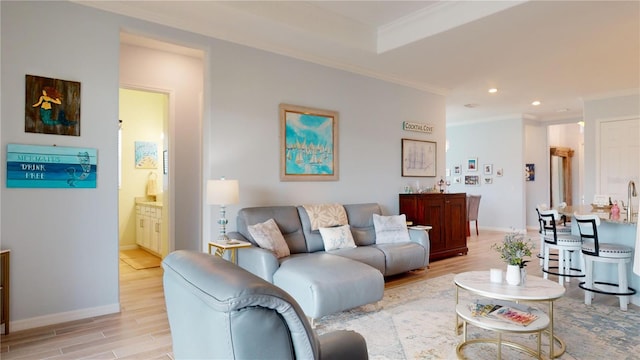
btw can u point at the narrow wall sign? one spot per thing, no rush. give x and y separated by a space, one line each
425 128
35 166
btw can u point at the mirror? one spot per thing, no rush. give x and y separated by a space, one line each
560 175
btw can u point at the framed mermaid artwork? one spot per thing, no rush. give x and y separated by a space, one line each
52 106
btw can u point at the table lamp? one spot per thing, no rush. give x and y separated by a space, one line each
222 192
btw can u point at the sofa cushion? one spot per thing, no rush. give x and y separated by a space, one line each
390 229
361 222
268 236
338 237
285 216
324 283
369 255
312 237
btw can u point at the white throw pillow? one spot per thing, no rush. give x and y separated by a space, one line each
338 237
390 229
269 237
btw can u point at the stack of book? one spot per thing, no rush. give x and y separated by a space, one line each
504 311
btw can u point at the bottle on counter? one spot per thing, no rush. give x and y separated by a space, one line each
615 210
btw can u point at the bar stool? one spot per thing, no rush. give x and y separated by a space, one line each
561 229
566 244
595 251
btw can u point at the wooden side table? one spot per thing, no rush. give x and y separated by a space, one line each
231 245
4 289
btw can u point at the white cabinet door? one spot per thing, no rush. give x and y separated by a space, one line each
619 157
155 237
149 227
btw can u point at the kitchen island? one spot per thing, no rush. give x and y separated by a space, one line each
613 229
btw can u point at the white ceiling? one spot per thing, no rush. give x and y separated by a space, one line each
557 52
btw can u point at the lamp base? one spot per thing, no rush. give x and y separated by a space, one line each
223 239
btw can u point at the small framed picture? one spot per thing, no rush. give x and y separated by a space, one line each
488 180
419 158
488 169
472 164
457 169
472 180
530 172
499 172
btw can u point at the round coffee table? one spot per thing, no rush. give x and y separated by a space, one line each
536 289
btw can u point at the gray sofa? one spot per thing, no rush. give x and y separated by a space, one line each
326 282
217 310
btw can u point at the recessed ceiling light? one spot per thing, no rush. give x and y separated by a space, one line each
493 91
536 103
472 105
562 110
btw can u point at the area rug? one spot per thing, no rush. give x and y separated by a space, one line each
139 259
417 321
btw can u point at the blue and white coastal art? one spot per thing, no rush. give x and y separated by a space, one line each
310 139
37 166
146 155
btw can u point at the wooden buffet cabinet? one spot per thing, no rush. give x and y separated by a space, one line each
446 214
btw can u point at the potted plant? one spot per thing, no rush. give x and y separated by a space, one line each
512 250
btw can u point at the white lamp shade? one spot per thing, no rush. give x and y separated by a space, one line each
222 192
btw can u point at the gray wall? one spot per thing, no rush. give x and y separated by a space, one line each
500 143
247 88
536 152
65 242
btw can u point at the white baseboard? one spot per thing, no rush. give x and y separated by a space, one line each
58 318
500 229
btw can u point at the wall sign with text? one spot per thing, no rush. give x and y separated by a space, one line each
424 128
37 166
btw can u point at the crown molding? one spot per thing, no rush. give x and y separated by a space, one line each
612 94
432 20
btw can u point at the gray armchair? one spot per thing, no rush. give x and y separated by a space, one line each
218 310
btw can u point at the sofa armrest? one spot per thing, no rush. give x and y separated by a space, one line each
343 344
421 236
258 261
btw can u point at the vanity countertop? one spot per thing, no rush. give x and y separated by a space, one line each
149 203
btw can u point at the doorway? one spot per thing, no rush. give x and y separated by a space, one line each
154 66
143 220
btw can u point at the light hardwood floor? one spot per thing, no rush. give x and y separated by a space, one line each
141 330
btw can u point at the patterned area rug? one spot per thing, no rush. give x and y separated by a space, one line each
139 259
417 321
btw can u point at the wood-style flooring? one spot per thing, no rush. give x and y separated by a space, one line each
141 330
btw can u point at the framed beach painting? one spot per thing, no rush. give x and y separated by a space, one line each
308 144
418 158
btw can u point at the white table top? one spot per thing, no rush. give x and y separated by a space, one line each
535 288
230 244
